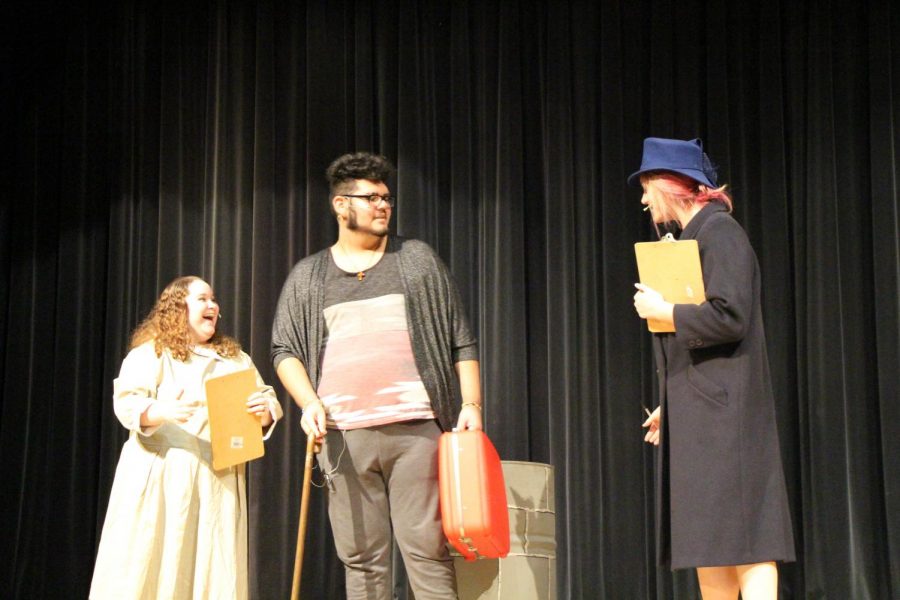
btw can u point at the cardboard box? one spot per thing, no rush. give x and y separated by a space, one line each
529 571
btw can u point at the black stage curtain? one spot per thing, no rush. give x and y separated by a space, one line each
142 141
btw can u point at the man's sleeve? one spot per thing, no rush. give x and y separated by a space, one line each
289 323
464 343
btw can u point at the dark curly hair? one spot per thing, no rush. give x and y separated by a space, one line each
167 325
359 165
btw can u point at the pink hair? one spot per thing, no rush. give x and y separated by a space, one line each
685 190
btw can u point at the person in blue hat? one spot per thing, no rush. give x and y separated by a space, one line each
722 504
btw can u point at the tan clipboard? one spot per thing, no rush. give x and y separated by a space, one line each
672 268
234 434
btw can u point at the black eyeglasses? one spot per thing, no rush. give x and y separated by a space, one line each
374 198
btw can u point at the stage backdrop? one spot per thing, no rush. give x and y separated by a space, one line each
142 141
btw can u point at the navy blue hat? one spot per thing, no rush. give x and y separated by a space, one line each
678 156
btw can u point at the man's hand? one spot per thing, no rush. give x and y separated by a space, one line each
296 381
469 418
470 388
314 419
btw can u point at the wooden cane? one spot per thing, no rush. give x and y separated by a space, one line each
304 508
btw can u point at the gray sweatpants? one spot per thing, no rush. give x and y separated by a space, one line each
384 482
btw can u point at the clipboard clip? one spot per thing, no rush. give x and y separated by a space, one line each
668 238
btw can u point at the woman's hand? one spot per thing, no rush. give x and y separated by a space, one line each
650 304
258 406
469 418
652 425
169 410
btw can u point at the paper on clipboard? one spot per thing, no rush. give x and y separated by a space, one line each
234 434
672 268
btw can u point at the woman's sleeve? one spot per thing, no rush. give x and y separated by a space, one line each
135 387
729 267
265 390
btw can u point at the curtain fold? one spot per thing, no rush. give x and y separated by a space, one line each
143 141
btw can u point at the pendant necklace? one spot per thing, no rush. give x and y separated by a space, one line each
360 273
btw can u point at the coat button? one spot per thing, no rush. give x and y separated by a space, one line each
698 342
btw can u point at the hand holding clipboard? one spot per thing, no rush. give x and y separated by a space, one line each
235 435
672 270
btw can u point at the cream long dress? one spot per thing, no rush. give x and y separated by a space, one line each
175 528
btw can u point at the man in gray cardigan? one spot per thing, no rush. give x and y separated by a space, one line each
367 336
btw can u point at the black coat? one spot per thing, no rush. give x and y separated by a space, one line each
720 489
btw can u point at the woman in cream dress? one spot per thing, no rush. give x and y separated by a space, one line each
175 528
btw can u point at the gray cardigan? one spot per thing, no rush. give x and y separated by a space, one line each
438 329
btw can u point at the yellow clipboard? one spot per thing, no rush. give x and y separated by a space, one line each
234 434
672 268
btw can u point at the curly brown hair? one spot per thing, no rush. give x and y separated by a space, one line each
167 325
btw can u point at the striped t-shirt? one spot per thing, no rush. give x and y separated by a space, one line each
369 375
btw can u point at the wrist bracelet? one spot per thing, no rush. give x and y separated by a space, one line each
475 404
316 401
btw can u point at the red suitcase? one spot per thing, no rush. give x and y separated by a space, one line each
473 495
